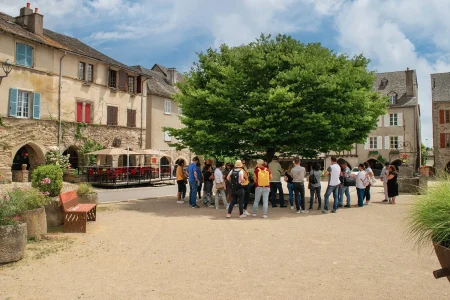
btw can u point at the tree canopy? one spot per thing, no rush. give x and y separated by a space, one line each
276 95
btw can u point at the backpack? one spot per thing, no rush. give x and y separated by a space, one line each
234 180
263 177
312 179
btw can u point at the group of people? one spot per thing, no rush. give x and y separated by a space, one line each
232 185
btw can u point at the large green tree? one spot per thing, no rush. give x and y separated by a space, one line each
276 95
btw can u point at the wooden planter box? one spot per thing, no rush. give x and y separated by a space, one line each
13 240
443 255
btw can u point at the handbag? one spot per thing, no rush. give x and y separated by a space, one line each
349 181
220 185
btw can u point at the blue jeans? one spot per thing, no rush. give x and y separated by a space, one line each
360 193
274 186
319 197
193 193
264 192
291 193
344 190
334 190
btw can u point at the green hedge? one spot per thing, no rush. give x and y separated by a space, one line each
52 172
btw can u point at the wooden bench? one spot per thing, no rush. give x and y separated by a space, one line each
76 215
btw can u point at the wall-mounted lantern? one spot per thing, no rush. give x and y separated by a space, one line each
7 68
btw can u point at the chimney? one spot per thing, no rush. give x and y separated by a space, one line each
172 75
33 22
409 83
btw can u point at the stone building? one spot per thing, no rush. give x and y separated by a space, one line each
61 92
440 95
397 136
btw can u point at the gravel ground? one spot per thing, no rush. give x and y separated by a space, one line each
157 249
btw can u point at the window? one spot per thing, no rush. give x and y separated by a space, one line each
445 140
393 100
23 104
167 137
90 73
82 71
130 84
131 117
24 55
84 112
373 142
112 115
167 107
393 119
393 142
112 79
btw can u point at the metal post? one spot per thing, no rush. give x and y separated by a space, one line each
59 98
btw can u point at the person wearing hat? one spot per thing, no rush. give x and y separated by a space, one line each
237 193
384 178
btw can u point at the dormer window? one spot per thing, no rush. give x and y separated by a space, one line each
393 100
384 82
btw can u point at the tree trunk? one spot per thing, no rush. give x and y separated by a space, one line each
270 153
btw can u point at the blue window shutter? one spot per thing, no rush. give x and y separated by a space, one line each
36 106
13 93
29 56
21 54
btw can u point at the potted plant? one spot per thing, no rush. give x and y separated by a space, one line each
429 221
24 167
404 157
86 194
13 232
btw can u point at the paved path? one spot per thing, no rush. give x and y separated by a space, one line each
117 195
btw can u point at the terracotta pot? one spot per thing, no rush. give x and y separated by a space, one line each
425 172
36 222
13 240
443 255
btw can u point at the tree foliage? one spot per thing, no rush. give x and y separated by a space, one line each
276 95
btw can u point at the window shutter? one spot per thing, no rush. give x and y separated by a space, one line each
87 113
441 116
139 84
400 119
387 120
400 142
442 140
380 122
79 112
366 145
29 56
108 115
21 55
167 137
123 80
133 113
13 94
387 143
116 115
36 106
379 142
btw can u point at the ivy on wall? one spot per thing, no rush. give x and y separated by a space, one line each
89 145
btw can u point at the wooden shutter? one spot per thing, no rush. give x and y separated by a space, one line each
21 55
13 94
442 140
387 120
29 56
379 142
123 78
112 113
79 112
133 118
87 113
115 113
367 144
139 84
441 116
36 106
387 142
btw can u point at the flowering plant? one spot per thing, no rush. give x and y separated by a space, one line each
404 155
53 157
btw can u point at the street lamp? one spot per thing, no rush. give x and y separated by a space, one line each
7 68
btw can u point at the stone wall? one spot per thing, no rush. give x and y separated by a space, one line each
40 135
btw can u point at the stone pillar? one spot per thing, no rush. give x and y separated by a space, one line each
25 176
6 174
115 161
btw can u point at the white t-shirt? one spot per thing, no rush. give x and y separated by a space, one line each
218 176
360 179
334 171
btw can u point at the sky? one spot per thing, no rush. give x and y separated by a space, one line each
394 34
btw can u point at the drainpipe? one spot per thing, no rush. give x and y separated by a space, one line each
142 111
59 98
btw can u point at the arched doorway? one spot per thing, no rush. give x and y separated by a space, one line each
341 161
165 166
30 155
376 166
73 158
397 163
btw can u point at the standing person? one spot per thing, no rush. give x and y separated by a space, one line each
236 177
346 173
392 184
290 184
298 179
227 183
181 181
361 180
275 183
333 172
200 180
208 178
384 178
315 187
220 185
193 182
246 185
369 173
262 181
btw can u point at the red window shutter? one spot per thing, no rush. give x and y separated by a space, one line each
87 113
442 140
441 116
79 112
